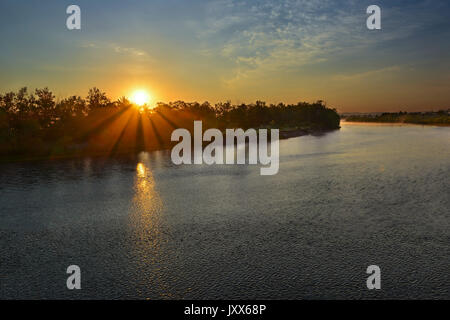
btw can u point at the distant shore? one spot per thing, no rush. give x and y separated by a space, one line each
346 122
439 118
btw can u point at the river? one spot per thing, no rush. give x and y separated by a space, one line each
141 227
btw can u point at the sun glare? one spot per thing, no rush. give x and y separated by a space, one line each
140 97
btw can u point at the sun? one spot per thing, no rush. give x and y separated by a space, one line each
140 97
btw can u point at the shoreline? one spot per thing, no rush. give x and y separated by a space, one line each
284 135
395 123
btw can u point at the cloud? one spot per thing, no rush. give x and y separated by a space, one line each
129 51
367 74
89 45
263 36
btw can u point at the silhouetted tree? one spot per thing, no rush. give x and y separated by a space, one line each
37 125
97 99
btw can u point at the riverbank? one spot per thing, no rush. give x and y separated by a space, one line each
440 118
74 151
286 134
346 122
74 127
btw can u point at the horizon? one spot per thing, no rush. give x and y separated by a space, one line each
238 51
154 103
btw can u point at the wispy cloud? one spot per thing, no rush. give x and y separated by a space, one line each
367 74
128 51
258 37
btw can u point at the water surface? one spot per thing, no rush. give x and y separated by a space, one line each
140 227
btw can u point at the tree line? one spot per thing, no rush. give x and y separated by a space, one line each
441 117
36 124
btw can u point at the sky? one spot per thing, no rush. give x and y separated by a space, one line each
243 51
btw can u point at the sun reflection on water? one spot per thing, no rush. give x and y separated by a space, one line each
140 170
146 205
145 219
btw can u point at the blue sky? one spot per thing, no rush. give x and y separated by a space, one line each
240 50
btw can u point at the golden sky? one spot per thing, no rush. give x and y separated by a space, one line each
241 51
